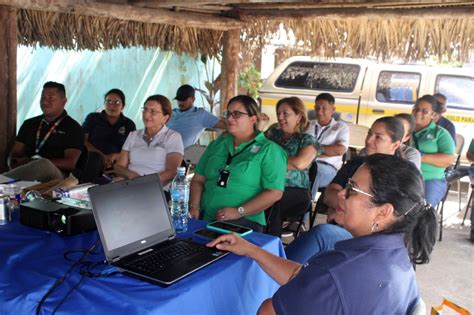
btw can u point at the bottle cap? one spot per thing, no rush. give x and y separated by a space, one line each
181 170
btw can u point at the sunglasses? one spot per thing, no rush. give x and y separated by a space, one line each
352 190
236 114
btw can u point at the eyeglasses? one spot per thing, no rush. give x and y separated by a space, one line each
351 190
422 111
236 114
112 102
153 112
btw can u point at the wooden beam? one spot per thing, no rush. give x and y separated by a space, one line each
8 45
426 13
230 66
127 12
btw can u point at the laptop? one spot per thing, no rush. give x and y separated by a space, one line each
137 233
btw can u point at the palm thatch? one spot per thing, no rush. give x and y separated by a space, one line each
76 32
358 37
386 39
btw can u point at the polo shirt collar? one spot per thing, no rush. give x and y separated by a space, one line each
379 240
104 116
162 131
64 113
432 126
331 122
190 109
230 141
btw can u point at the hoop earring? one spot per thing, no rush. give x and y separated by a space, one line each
375 227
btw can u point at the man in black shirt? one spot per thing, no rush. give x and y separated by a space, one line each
47 146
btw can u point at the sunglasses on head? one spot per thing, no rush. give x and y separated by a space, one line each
351 190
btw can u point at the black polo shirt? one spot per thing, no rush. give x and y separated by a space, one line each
348 170
104 136
67 135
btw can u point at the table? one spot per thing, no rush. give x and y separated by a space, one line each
31 260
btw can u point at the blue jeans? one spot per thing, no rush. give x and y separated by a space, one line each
435 190
324 176
318 240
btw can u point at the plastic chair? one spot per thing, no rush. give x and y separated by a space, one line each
357 135
192 155
440 207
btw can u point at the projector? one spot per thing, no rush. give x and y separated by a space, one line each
55 217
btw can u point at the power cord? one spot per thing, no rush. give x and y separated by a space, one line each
60 280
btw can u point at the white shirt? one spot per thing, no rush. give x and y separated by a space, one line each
336 132
151 158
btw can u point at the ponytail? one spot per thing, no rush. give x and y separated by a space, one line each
421 240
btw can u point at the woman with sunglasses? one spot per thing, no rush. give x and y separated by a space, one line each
105 132
154 149
435 145
383 208
241 173
384 136
302 149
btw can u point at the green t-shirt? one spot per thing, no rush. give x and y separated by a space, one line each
430 140
471 146
260 166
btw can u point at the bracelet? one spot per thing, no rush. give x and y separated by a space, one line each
193 205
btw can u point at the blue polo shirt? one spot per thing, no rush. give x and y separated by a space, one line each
104 136
191 123
363 275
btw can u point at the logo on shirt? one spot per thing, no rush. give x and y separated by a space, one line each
255 149
121 130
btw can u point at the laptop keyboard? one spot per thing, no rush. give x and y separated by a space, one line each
161 258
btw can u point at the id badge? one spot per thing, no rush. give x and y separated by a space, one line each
223 178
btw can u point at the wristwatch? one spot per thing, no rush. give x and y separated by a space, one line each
241 210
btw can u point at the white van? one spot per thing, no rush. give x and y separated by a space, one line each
365 91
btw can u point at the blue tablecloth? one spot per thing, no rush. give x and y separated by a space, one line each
31 260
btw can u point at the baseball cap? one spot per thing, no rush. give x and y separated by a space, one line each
184 92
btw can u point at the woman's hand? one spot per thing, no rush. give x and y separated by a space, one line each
194 212
234 244
227 213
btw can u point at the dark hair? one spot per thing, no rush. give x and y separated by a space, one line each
394 127
165 103
116 92
408 118
327 97
55 85
435 106
250 105
296 105
398 182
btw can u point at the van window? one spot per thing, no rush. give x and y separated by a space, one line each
398 87
457 89
319 76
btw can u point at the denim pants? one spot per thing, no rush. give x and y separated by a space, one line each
316 241
435 190
324 176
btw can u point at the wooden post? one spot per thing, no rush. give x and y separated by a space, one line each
230 67
8 46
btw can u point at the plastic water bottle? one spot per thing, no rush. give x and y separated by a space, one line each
179 200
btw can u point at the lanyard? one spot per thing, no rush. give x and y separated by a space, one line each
231 157
39 144
322 131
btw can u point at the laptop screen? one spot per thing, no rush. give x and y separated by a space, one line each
130 212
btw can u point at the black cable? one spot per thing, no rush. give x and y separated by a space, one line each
68 293
60 280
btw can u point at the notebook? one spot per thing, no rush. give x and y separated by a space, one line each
137 233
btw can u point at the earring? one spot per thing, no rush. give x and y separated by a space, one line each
375 227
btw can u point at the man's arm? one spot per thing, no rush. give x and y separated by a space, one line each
17 156
333 150
220 124
68 162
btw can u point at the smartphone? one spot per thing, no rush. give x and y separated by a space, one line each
224 227
207 234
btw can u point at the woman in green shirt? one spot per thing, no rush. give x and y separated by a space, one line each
436 147
241 173
302 148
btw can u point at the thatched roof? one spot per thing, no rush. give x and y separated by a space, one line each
411 30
